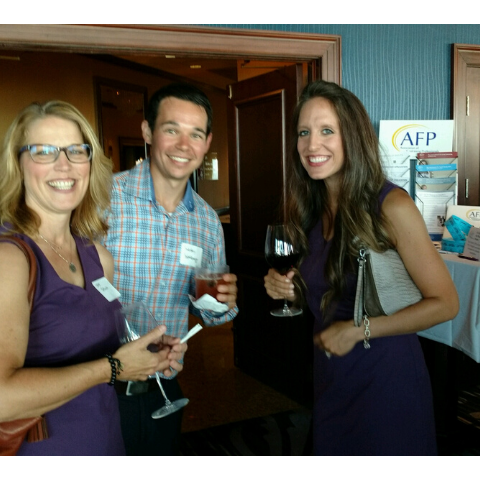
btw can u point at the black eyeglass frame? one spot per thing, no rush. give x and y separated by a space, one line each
58 150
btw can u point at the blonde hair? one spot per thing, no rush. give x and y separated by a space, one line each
88 218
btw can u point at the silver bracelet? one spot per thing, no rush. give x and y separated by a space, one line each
366 340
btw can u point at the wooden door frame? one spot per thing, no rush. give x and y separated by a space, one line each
323 51
463 57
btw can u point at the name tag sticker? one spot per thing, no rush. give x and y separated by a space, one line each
190 255
106 289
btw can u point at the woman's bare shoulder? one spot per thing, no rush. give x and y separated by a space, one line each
11 255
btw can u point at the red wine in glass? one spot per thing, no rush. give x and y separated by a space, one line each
283 263
282 255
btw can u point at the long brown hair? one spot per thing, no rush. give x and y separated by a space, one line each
362 179
88 218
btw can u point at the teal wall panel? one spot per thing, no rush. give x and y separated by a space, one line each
400 72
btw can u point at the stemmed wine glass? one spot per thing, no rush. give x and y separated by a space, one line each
134 321
282 255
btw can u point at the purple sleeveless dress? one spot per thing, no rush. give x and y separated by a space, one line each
70 325
368 402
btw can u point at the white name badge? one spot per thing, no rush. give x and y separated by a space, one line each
106 289
190 255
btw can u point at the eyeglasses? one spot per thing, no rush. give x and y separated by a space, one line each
81 153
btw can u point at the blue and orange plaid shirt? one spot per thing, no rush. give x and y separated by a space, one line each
146 242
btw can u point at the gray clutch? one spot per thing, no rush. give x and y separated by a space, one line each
384 286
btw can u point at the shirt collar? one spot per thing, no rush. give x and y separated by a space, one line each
188 198
138 181
140 184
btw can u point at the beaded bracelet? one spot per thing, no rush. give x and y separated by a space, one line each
366 340
117 367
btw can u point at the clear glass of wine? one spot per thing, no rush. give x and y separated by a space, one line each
134 321
282 255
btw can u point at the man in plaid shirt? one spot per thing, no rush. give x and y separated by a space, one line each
160 230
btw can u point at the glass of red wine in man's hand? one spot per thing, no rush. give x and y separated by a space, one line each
282 255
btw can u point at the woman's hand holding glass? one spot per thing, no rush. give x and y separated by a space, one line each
175 354
280 286
140 360
282 253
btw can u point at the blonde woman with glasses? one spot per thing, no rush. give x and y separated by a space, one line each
62 359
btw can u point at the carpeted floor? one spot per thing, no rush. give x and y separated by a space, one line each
469 407
280 434
219 392
288 434
466 438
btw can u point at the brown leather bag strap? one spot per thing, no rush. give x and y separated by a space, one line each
13 433
32 262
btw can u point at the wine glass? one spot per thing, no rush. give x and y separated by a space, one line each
136 320
282 255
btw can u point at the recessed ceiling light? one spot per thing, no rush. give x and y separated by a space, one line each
195 66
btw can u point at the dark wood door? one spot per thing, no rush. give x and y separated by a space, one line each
472 137
275 351
466 114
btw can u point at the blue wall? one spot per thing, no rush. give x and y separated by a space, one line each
399 72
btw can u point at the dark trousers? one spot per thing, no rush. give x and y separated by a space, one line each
141 433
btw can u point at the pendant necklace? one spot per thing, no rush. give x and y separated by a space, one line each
70 264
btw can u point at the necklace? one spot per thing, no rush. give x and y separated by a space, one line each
70 264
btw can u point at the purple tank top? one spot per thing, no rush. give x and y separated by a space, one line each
70 325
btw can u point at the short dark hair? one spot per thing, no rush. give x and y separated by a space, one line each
182 91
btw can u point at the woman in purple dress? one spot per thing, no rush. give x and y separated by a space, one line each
55 184
367 401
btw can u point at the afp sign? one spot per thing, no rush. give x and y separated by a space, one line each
473 215
413 137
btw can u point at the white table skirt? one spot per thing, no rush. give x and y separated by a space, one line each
463 332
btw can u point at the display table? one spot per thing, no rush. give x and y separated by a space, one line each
463 332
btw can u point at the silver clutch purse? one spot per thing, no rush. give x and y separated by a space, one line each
384 286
